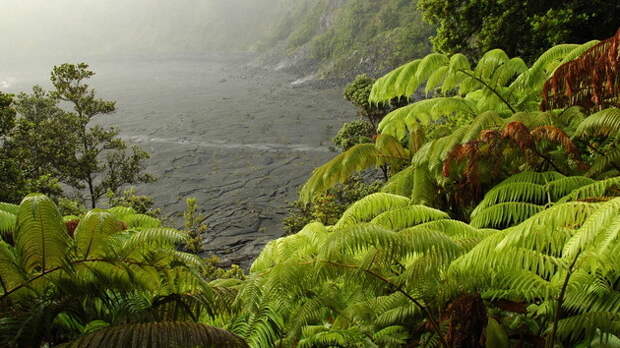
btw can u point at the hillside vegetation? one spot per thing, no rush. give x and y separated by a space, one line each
338 39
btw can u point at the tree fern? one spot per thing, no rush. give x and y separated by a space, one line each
103 271
7 224
595 190
161 334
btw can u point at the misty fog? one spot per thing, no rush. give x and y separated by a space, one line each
71 29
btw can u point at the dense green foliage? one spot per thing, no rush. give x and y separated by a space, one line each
354 133
501 231
521 28
92 275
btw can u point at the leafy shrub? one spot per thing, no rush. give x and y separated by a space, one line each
353 133
327 208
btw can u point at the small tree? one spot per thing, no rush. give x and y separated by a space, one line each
142 204
18 174
358 92
101 161
194 226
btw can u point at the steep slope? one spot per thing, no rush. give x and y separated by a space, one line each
337 39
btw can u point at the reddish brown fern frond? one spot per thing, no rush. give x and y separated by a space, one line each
462 152
519 133
503 151
71 225
555 135
591 81
489 135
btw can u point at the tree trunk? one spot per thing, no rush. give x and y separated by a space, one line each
91 189
467 319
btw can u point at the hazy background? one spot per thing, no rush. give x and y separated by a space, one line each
67 29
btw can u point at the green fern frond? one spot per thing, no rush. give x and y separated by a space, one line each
455 229
486 120
532 119
92 231
120 212
561 187
490 62
40 235
160 334
603 220
391 336
596 190
9 208
429 65
587 325
401 121
513 192
505 214
529 285
424 190
361 237
340 168
140 221
540 178
8 222
398 219
400 183
390 148
557 218
160 237
603 123
436 79
11 274
369 207
396 83
544 66
604 162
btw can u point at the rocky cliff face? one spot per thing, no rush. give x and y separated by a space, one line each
334 40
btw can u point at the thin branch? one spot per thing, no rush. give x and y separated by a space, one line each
560 302
490 88
541 155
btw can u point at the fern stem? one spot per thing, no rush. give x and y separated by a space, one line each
55 269
560 302
541 155
490 88
595 149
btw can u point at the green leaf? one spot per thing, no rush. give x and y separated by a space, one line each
40 238
92 232
496 335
